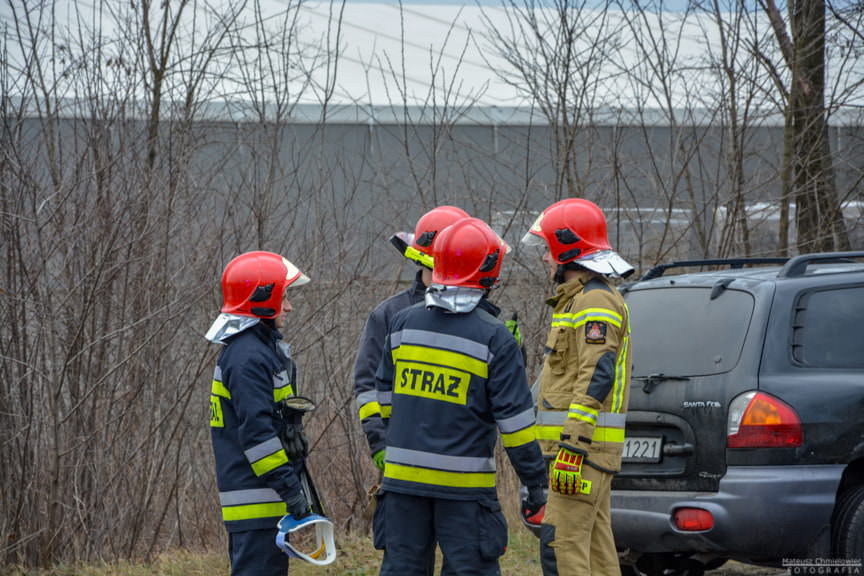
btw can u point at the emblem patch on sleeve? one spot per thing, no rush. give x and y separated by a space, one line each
595 332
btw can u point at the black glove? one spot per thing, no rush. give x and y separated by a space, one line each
290 422
297 505
294 441
534 506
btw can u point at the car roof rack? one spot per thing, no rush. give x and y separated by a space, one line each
797 266
660 269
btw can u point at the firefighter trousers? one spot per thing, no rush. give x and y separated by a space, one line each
254 553
472 535
576 534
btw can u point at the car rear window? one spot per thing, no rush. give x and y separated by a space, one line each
682 332
827 328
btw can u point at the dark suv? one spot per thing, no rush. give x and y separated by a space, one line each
745 431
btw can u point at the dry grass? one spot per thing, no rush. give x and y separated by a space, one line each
356 558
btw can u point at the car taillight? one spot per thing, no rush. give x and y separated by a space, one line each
759 420
692 519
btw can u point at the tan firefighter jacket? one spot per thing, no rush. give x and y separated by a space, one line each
585 383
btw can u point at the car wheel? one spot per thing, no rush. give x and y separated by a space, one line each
847 530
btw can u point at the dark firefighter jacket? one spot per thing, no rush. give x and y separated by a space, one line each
369 355
253 473
447 384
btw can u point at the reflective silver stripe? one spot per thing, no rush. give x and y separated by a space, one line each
440 461
442 341
280 380
366 397
604 419
251 496
611 420
217 373
384 398
395 339
584 415
517 422
264 449
551 418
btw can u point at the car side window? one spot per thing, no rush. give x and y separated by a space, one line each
826 332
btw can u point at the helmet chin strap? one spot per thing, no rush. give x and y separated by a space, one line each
562 268
559 274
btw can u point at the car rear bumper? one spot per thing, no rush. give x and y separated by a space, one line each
759 513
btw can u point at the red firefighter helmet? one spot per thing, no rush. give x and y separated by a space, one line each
417 247
574 229
469 254
253 284
431 223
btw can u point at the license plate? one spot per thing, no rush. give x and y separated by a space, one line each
642 449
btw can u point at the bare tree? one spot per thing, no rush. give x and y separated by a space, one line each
560 58
107 259
143 145
810 180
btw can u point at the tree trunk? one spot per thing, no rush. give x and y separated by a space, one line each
817 209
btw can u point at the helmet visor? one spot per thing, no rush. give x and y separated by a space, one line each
534 236
294 277
311 539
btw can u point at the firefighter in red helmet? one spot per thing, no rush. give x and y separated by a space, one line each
416 247
451 379
256 471
584 388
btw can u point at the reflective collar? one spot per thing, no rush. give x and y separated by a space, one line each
227 325
456 299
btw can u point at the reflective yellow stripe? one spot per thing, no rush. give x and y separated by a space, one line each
586 409
270 462
582 417
385 411
252 511
577 319
370 409
621 375
602 434
519 437
219 389
439 477
442 358
280 394
583 413
549 433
